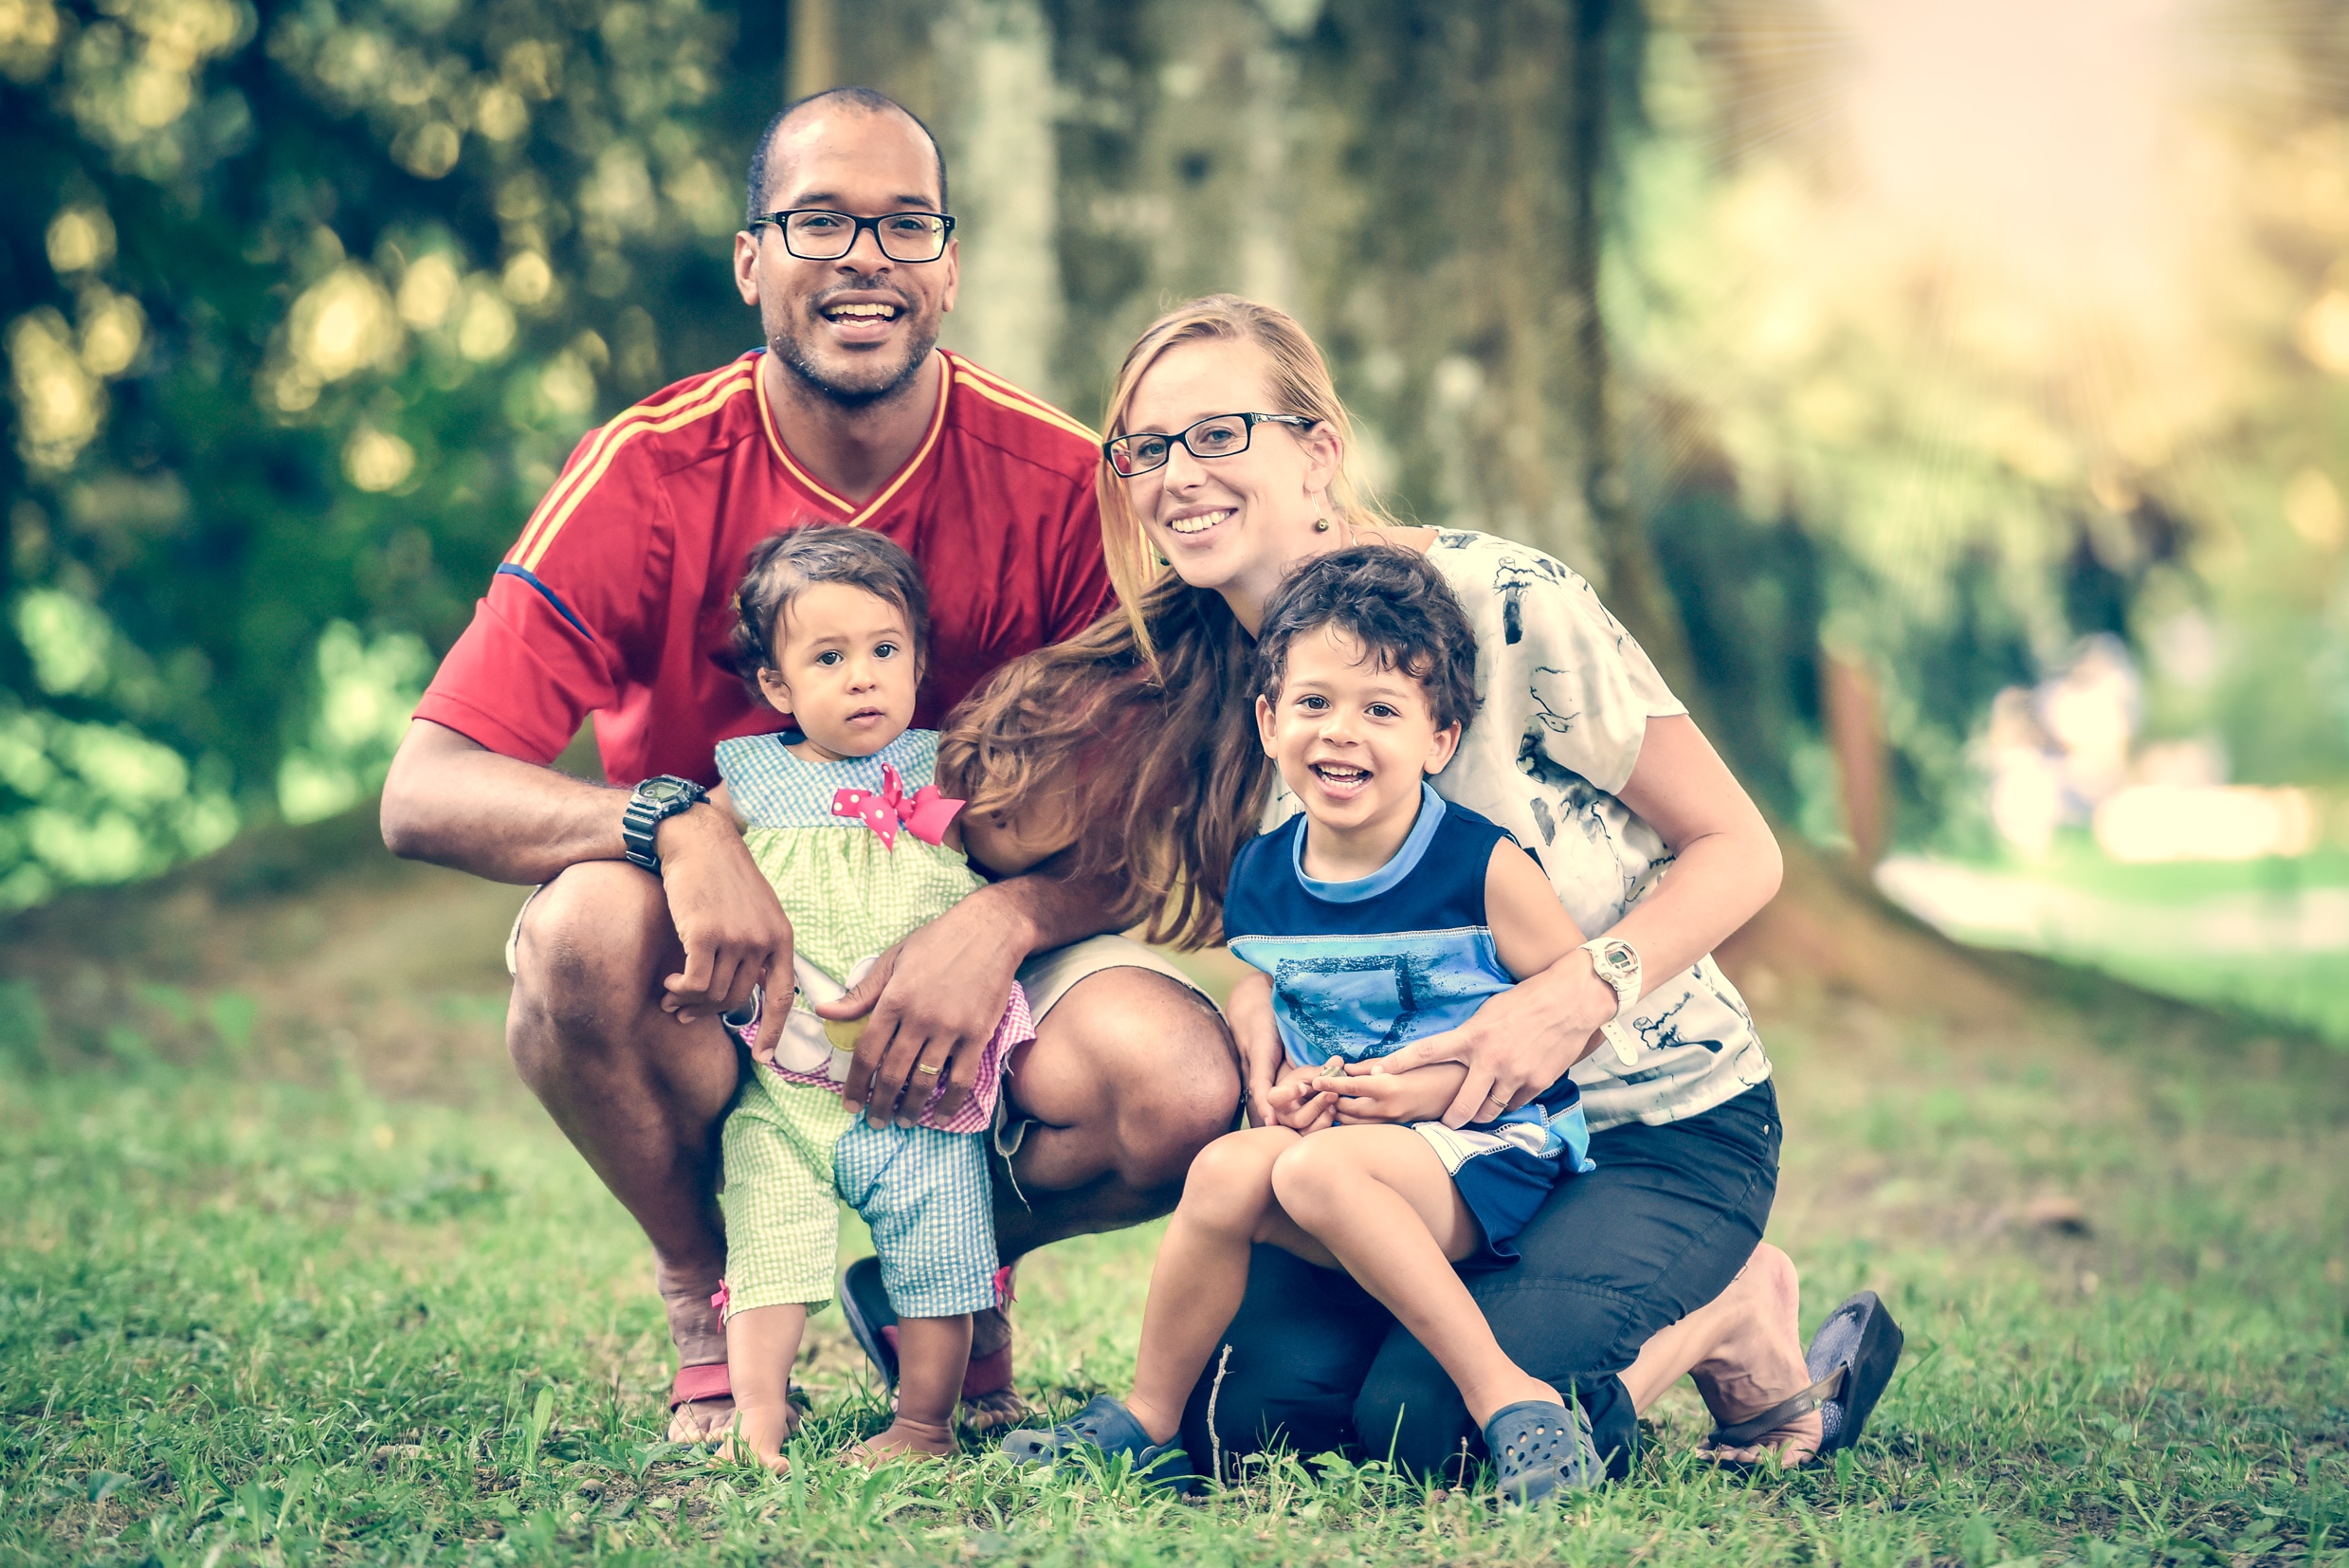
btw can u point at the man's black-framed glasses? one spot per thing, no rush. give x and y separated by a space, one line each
1217 435
817 234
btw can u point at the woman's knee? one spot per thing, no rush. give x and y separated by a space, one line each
1409 1411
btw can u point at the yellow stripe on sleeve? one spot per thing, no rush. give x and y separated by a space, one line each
651 420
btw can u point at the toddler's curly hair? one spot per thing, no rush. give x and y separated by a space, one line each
783 566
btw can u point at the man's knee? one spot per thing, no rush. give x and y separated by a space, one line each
587 958
1163 1067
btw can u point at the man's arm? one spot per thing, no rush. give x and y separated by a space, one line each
453 802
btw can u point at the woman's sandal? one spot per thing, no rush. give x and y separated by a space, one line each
1852 1359
1107 1426
1540 1448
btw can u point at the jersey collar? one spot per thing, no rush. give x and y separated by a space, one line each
854 514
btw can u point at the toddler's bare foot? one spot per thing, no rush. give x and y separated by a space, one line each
1760 1361
758 1432
905 1439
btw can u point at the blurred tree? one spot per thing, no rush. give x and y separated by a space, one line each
304 307
2025 336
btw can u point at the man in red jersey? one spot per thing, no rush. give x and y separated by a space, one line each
649 918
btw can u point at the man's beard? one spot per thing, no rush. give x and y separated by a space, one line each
845 395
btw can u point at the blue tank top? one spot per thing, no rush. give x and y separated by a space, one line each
1361 968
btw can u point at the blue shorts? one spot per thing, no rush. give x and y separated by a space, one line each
1502 1178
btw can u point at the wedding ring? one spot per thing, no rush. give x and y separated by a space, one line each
926 1068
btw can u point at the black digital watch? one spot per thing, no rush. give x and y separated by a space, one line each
650 804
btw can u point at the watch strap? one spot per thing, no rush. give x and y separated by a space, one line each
641 822
1626 996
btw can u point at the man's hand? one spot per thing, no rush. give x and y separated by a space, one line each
735 934
1248 1012
931 1003
1520 1042
1373 1094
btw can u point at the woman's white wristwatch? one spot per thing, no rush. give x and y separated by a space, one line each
1616 961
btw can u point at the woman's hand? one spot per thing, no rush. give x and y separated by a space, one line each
1248 1012
1373 1094
1520 1042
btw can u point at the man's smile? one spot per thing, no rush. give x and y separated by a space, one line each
862 317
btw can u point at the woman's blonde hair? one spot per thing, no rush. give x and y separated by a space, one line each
1300 385
1142 728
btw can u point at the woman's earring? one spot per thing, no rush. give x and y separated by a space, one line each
1320 525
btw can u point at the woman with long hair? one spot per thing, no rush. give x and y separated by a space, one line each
1134 750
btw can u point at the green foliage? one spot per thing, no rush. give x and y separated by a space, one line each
308 303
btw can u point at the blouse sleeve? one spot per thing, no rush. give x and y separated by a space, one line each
1564 673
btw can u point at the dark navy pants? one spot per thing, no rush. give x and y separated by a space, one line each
1658 1230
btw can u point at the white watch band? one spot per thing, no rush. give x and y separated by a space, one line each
1609 956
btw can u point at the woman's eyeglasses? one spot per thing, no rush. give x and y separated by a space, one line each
1219 435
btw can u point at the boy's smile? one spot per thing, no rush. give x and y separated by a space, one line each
1353 740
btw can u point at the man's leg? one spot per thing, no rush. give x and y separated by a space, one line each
1131 1074
639 1095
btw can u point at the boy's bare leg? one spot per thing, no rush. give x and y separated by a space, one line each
1202 1269
1381 1201
762 1344
932 1356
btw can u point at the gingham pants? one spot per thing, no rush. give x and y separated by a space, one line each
794 1151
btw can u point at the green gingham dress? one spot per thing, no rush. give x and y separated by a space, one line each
792 1151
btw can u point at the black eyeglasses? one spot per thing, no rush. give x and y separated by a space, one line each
814 234
1219 435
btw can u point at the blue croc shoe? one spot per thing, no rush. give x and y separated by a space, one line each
1541 1447
1107 1426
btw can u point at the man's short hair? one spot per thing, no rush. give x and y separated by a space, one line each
1396 604
867 99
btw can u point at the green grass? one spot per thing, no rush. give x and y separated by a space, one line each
275 1289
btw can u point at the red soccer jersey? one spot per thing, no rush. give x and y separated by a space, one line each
618 598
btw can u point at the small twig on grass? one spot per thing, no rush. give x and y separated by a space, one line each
1214 1438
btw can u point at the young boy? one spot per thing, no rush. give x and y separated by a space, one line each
1380 915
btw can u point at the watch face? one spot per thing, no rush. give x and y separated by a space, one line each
659 791
1621 958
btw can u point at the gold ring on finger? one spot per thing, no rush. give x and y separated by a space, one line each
926 1070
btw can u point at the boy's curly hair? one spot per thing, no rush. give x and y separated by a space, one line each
1397 604
783 566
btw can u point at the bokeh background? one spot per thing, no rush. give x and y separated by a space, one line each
1949 396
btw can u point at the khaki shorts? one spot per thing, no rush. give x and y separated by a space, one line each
1046 978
